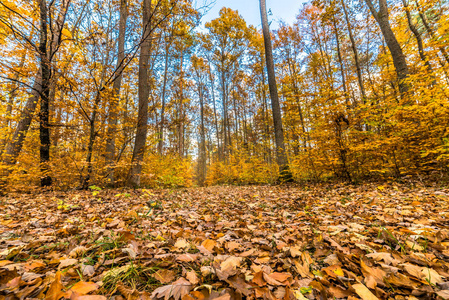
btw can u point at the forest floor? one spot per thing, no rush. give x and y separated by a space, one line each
338 241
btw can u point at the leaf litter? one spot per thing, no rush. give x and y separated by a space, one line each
271 242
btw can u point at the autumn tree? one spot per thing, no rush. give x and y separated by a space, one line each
275 106
381 15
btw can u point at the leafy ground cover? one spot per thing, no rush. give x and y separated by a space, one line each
271 242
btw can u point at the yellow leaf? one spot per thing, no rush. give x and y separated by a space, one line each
364 292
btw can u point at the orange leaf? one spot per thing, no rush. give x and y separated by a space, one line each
55 291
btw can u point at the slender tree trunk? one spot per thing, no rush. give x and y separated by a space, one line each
15 145
212 83
225 109
143 94
293 75
13 93
90 146
355 53
419 41
44 130
202 150
276 108
400 64
181 110
340 62
164 85
115 97
431 32
266 125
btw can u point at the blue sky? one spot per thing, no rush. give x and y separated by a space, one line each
249 9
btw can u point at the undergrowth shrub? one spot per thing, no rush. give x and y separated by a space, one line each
167 171
242 169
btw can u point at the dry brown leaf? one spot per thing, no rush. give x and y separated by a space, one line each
231 246
258 279
376 273
192 277
302 269
164 276
282 277
224 297
334 271
182 244
364 292
55 291
443 294
271 281
295 251
77 251
338 292
432 276
385 256
67 263
89 297
209 245
84 288
33 265
177 290
239 283
187 257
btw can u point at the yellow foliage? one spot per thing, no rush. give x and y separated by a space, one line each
167 171
242 169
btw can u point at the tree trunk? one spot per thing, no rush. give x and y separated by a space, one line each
143 94
225 109
340 62
431 32
275 106
419 41
44 130
164 85
212 83
114 106
202 150
399 61
15 145
13 94
355 52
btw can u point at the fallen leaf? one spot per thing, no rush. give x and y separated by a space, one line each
83 288
67 263
192 277
164 276
55 291
364 292
209 244
177 290
182 244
